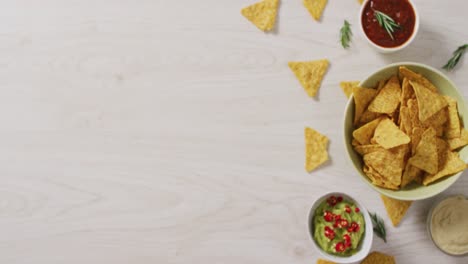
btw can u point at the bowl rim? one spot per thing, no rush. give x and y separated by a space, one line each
351 101
390 49
366 243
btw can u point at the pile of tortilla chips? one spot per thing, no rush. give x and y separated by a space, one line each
407 132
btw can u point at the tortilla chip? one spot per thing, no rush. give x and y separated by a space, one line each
362 98
322 261
405 121
396 209
429 102
316 149
413 113
262 14
364 134
360 1
368 116
406 92
310 74
355 143
425 156
456 143
410 174
377 179
453 124
415 138
416 77
388 99
378 258
315 7
365 149
453 164
388 135
388 163
347 87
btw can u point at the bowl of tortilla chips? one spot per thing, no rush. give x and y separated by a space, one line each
404 131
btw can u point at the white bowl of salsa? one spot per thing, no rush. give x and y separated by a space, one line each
403 12
340 228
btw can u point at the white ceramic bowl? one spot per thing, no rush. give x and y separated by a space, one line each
393 49
366 243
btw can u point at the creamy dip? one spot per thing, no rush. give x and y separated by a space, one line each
449 225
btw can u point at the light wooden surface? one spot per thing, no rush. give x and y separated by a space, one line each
157 131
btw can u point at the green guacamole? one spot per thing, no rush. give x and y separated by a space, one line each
338 226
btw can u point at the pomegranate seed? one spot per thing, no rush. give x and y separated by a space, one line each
329 233
357 210
347 209
331 201
339 247
350 229
355 227
337 217
339 199
344 223
347 240
328 216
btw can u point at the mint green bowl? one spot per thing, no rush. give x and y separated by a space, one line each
413 191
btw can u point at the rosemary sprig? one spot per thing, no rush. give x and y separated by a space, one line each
386 22
345 34
457 54
379 226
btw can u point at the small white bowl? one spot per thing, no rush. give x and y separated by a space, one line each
366 243
392 49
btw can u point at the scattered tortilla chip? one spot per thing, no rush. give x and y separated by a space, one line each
388 99
365 149
310 74
425 156
396 209
453 164
262 14
316 149
322 261
360 1
388 162
410 174
416 77
315 7
429 102
378 258
388 135
453 125
362 98
415 138
347 87
456 143
364 134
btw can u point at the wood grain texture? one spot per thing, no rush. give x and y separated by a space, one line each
157 131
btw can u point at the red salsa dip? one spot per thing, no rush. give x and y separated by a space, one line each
400 10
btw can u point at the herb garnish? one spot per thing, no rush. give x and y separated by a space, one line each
386 22
457 54
379 226
345 34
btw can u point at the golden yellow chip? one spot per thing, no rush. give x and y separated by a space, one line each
377 179
364 134
388 135
453 164
456 143
416 77
453 125
388 99
396 209
362 98
425 156
378 258
315 7
368 116
316 149
347 87
388 163
415 138
414 113
429 102
322 261
406 92
365 149
360 1
405 121
410 174
437 120
310 74
262 14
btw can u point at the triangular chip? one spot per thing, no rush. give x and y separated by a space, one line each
368 116
413 113
459 142
453 124
388 135
429 102
405 121
315 7
410 174
378 258
316 149
377 179
437 120
425 156
442 149
365 149
364 134
362 98
453 164
262 14
416 77
388 162
347 87
415 138
322 261
388 99
310 74
396 209
360 1
406 92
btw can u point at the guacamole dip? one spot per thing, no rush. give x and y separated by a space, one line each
338 226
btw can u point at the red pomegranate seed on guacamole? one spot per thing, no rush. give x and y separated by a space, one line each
339 199
347 240
357 210
344 223
339 247
331 201
328 216
347 209
337 217
329 233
